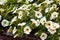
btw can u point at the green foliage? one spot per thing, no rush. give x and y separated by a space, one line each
9 15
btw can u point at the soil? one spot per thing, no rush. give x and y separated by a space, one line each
8 36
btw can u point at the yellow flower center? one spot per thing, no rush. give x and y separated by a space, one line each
27 29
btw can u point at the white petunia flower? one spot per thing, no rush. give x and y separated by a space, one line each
49 1
39 5
33 21
29 0
36 22
19 1
20 14
52 31
48 24
54 6
43 36
27 30
46 10
21 24
2 2
34 4
43 20
0 17
54 15
5 23
13 20
24 7
58 1
55 26
14 30
38 14
2 10
51 8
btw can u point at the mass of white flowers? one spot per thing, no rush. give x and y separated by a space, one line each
41 17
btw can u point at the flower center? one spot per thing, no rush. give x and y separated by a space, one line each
43 35
54 15
44 21
27 29
49 24
20 14
4 22
38 14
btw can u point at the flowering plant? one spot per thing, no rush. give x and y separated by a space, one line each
25 16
